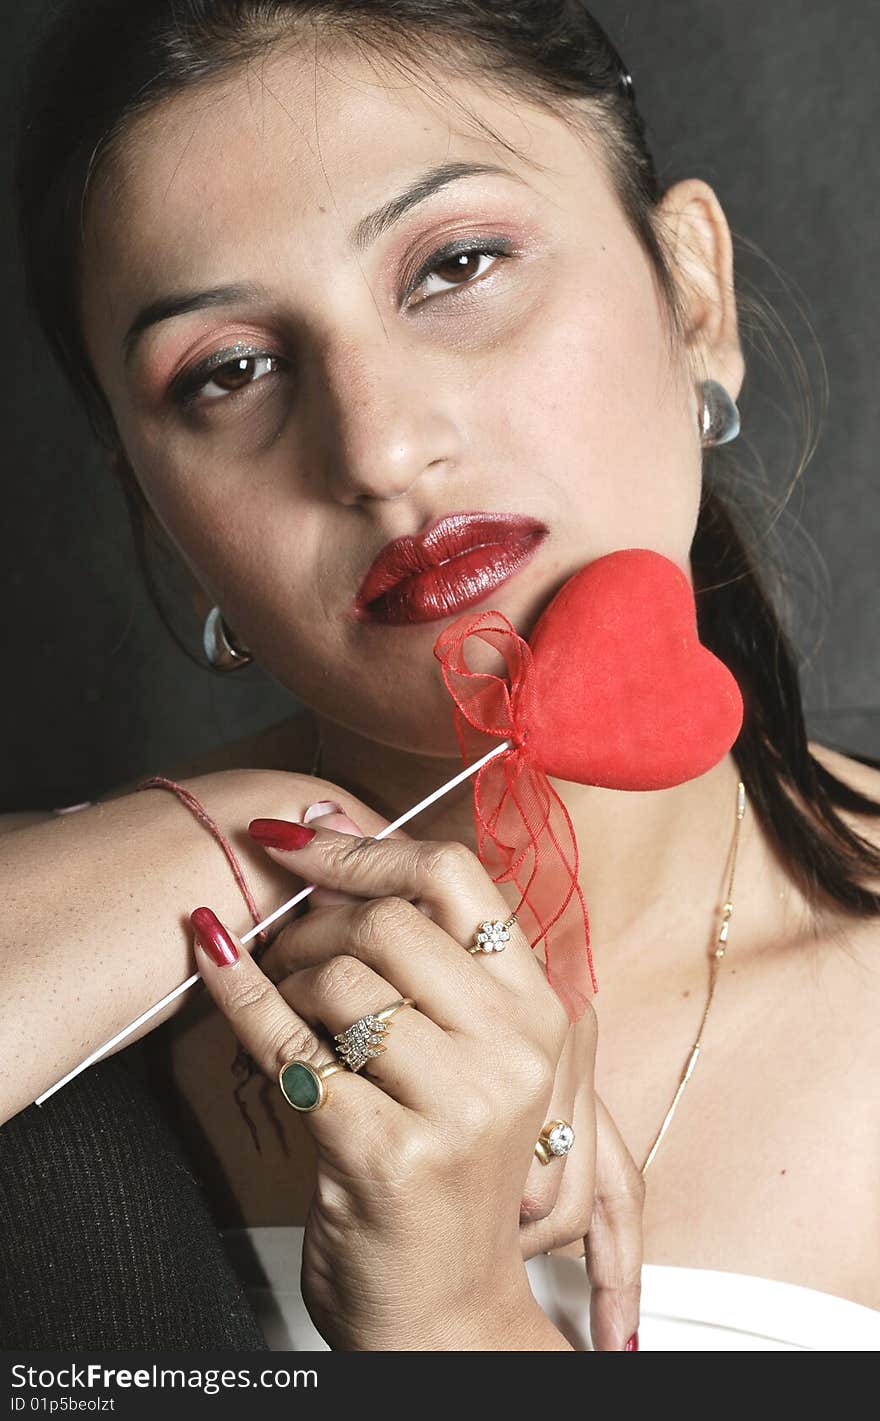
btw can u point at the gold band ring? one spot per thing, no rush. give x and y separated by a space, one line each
554 1141
365 1037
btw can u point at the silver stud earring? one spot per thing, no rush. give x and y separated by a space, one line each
719 416
219 644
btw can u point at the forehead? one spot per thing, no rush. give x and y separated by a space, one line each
296 138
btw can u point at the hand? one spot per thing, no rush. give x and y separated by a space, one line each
595 1195
412 1238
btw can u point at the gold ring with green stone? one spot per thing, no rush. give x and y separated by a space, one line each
302 1083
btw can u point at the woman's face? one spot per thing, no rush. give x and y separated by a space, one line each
371 386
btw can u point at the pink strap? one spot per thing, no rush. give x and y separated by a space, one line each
201 813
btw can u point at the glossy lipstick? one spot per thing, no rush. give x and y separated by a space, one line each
456 562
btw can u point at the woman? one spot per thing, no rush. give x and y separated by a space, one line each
326 259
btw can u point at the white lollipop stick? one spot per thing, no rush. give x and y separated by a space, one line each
285 907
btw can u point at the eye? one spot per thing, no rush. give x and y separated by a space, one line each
229 372
234 370
462 266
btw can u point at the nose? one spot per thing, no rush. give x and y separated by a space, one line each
386 419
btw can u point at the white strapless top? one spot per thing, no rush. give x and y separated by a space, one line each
682 1309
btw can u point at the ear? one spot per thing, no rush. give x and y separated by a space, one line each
702 251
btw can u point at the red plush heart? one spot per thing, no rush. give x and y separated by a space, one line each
625 695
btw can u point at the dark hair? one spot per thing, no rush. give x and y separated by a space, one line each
102 63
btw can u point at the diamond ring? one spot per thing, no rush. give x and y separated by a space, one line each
492 936
555 1140
365 1037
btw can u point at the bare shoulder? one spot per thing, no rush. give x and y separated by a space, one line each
853 942
840 1049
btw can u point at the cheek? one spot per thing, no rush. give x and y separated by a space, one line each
263 567
211 504
609 420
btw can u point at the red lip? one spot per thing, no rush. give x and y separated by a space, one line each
454 563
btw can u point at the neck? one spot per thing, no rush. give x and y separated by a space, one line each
651 863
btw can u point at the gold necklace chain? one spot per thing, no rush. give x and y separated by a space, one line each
717 958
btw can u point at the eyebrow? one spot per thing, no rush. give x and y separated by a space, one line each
375 223
363 235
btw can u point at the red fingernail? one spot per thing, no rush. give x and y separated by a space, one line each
213 937
633 1343
280 833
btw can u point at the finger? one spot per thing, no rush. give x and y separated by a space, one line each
274 1035
557 1197
359 819
414 1054
401 945
327 814
444 874
614 1243
562 1231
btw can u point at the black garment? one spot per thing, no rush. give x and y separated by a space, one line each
106 1242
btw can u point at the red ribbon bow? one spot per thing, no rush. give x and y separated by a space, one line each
524 831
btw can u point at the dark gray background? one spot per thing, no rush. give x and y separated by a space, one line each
777 107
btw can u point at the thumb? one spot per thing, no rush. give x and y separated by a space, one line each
614 1243
325 814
